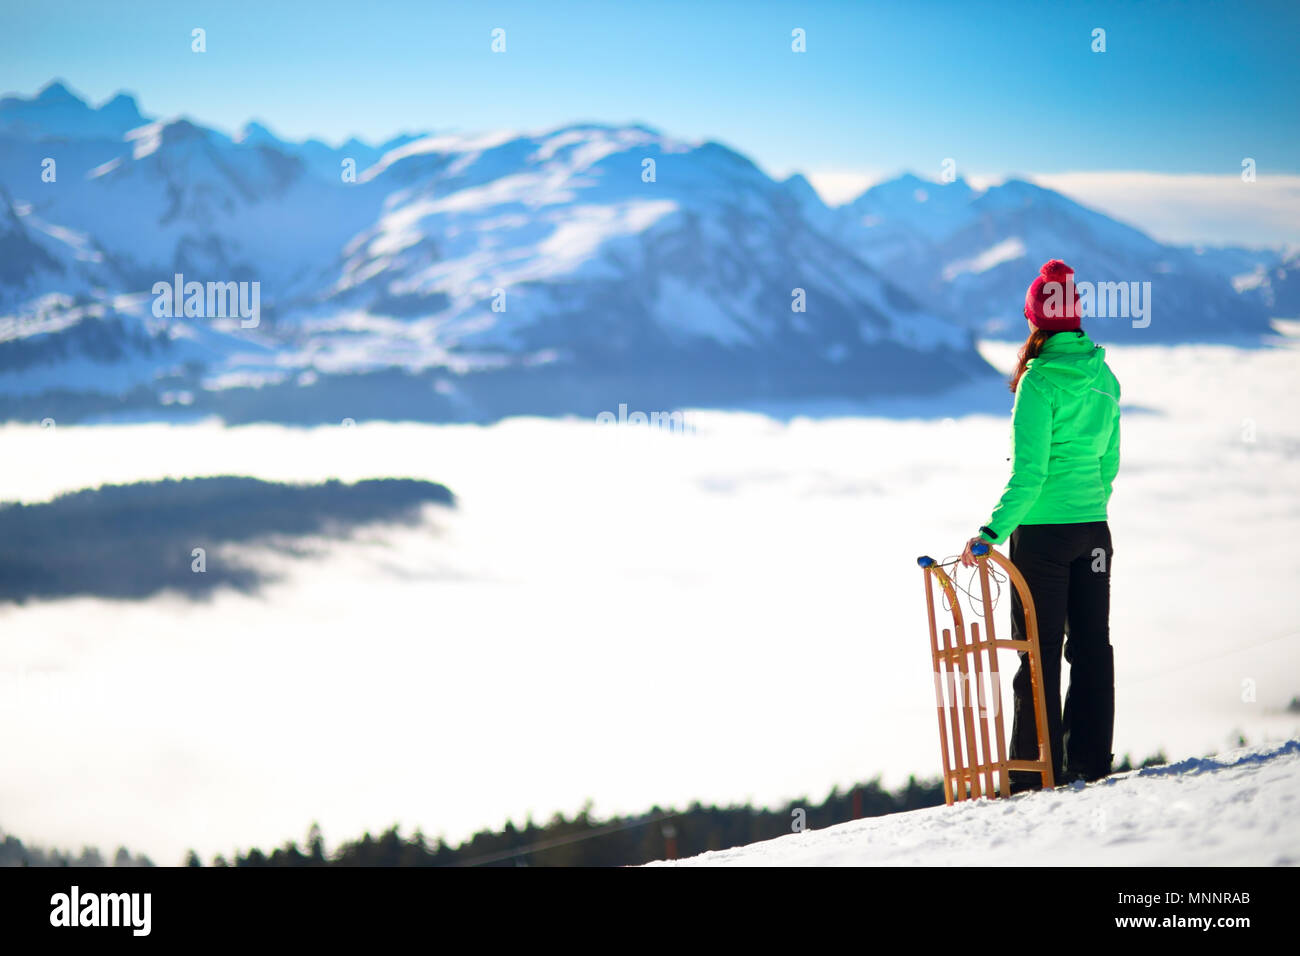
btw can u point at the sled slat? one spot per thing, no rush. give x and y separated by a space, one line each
940 669
996 690
978 701
958 765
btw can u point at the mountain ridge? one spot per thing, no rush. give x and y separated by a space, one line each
564 271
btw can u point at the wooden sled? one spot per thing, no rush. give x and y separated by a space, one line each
965 692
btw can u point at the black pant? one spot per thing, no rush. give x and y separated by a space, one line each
1067 568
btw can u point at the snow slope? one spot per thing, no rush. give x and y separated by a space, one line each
1234 809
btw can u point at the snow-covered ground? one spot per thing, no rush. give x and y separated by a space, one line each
1238 809
639 618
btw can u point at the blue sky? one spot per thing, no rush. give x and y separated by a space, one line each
1009 88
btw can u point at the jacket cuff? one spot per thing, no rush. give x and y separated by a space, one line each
988 534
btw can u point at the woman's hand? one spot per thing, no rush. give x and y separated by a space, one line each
967 556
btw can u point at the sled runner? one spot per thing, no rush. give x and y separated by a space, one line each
966 694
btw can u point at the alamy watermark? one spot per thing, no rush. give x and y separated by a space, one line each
211 300
677 422
129 910
1108 300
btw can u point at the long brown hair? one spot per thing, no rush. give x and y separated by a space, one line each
1032 348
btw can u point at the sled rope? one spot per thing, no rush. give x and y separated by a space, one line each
976 602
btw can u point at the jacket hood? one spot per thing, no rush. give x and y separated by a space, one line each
1069 361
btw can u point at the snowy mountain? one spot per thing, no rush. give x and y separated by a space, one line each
972 254
57 113
1235 809
1233 262
178 197
550 261
323 159
1276 284
25 264
469 277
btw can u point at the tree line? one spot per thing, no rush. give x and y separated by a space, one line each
583 840
579 840
137 540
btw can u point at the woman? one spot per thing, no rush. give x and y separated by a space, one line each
1065 454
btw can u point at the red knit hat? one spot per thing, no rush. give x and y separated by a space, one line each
1052 302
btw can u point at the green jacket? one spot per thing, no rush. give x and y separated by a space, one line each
1064 439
